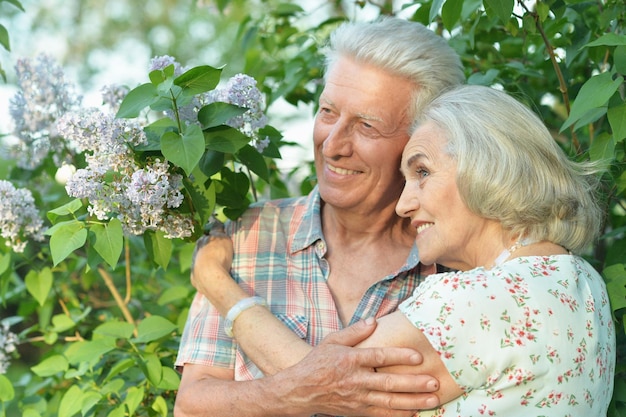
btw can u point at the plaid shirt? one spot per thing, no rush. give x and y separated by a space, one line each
279 255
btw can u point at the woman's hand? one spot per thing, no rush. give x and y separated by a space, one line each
210 269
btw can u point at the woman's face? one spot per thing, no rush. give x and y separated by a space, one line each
448 233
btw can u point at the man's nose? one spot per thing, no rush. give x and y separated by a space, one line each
339 140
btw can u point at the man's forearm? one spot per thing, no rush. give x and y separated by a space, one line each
206 396
270 344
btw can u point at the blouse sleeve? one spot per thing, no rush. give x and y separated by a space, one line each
473 320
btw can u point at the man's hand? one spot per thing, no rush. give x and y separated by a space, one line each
336 378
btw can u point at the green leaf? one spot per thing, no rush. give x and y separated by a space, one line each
66 238
5 262
218 113
211 162
39 284
184 151
119 367
109 241
134 396
199 79
617 120
89 351
170 380
136 100
7 393
615 276
119 411
251 158
154 131
4 38
502 9
608 39
543 10
225 139
159 248
16 3
202 193
235 189
153 328
150 365
71 402
451 13
66 209
61 323
620 59
287 9
595 93
160 406
115 329
434 10
51 366
173 294
486 79
89 400
603 148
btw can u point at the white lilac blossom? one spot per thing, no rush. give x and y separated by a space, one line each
115 185
161 62
113 95
43 96
19 218
242 91
8 341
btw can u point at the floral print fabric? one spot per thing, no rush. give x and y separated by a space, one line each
531 337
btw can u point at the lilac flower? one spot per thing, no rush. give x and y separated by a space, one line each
19 218
113 95
43 96
161 62
8 340
241 90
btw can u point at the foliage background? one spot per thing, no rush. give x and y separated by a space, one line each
100 340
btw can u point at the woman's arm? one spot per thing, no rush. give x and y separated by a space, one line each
396 330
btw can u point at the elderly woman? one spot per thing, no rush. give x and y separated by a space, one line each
524 327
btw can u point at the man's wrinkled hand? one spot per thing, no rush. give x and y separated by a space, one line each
342 380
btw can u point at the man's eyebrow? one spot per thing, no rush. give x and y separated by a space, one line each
369 117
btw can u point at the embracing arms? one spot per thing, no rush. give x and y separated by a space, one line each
275 348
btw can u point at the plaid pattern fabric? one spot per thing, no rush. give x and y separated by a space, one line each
279 255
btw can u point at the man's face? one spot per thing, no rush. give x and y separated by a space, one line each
359 133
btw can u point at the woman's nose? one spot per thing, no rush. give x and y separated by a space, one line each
408 201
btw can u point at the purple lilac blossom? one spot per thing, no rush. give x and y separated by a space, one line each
114 183
19 217
43 96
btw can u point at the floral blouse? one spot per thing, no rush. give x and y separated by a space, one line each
531 337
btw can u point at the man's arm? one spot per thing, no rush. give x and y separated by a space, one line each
333 379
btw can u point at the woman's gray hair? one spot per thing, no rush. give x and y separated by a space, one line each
510 168
401 47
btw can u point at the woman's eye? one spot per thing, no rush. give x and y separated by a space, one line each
422 173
